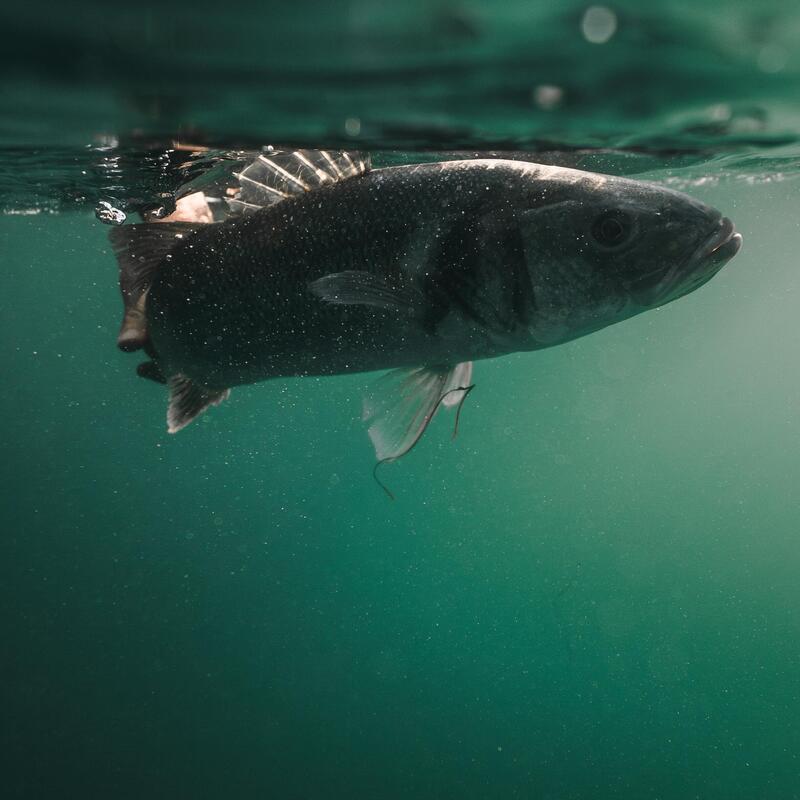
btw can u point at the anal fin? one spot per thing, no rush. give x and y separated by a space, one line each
151 371
458 385
188 400
402 403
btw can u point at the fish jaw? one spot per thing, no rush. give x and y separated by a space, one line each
718 248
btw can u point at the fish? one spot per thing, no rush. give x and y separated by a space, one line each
312 263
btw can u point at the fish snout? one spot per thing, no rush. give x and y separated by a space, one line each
716 250
718 246
722 244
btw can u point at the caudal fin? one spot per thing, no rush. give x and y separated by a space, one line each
140 249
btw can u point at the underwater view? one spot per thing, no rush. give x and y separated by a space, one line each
402 400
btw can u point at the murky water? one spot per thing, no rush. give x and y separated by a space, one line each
590 593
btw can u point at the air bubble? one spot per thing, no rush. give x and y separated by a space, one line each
547 96
352 126
109 215
167 208
599 24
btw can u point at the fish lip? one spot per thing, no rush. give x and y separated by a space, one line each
721 245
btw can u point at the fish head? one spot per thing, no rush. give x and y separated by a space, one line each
601 249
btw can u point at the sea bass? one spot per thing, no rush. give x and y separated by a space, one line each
324 266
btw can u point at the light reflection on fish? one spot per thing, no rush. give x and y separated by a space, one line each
324 267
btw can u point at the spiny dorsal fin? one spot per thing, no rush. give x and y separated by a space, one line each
187 400
139 250
275 175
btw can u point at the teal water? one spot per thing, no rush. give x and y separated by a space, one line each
591 593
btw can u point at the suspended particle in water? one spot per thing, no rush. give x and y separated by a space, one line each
598 24
352 126
109 215
720 112
547 96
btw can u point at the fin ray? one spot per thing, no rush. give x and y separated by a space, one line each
277 175
402 403
188 400
361 288
460 376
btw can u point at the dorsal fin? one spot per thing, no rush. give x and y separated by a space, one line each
139 250
275 175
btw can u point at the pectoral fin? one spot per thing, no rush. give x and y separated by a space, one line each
402 403
360 288
188 400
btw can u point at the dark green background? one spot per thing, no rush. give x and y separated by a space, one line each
592 593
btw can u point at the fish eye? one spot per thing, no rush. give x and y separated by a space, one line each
611 229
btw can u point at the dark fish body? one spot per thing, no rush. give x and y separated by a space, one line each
325 268
233 305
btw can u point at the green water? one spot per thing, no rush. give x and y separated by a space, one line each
591 593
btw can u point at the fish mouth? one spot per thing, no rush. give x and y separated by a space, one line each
721 246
